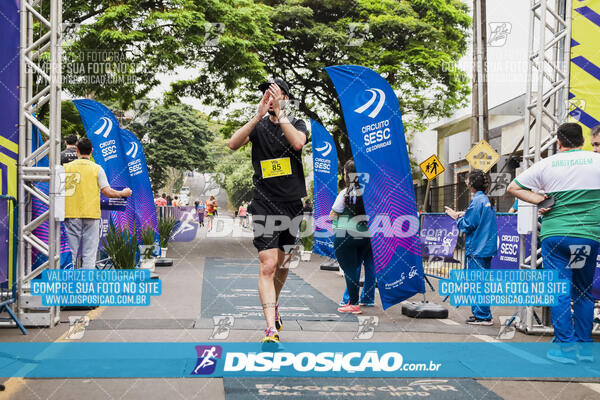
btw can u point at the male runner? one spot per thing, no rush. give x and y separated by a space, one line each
278 189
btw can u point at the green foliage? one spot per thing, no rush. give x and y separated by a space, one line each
307 241
70 120
178 184
414 44
234 172
174 137
165 228
136 40
121 247
148 236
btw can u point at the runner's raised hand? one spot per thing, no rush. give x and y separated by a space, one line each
264 104
276 96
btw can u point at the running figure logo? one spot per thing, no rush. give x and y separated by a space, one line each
207 359
366 327
579 255
223 324
499 32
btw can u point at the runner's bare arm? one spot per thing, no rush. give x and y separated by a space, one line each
296 138
242 136
525 194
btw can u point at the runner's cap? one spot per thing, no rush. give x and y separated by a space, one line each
279 82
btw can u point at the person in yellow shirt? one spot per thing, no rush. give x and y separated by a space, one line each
84 180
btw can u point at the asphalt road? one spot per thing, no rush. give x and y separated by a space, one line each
177 316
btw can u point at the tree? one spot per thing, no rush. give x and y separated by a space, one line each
233 171
414 44
116 49
235 44
174 138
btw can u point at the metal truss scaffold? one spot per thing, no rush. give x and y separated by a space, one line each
39 86
546 108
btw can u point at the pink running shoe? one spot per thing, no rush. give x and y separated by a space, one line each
349 308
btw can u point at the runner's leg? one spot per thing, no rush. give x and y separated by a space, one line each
282 272
269 260
286 240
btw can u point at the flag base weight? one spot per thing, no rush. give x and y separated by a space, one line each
78 308
332 266
164 262
424 309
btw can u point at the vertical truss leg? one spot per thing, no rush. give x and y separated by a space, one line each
39 86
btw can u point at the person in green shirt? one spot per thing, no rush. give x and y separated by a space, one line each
569 235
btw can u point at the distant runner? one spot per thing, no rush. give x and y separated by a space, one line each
242 214
211 207
278 189
200 207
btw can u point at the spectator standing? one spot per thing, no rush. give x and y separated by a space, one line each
478 223
84 181
352 245
595 138
161 201
307 209
569 235
70 153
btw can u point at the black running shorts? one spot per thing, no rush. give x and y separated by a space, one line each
270 233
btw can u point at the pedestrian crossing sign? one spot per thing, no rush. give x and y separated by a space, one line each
482 156
432 167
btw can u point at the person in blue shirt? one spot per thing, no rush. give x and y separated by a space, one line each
352 245
515 207
478 223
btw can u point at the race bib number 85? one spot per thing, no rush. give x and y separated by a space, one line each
276 167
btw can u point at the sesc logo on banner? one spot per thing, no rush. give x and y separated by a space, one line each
132 152
323 164
105 128
108 148
208 357
376 135
135 165
376 95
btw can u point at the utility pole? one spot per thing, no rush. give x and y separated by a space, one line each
475 81
479 122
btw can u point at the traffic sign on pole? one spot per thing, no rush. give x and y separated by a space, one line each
432 167
482 156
